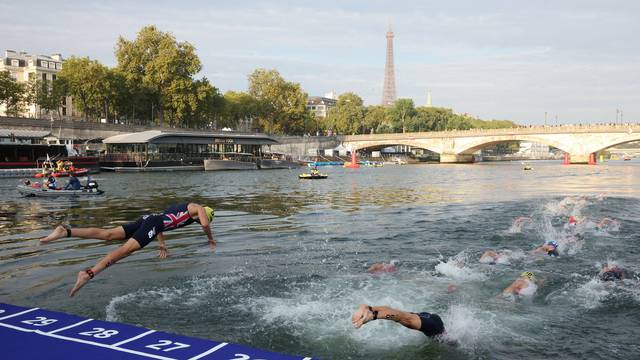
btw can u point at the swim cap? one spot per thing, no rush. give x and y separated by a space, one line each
528 274
553 243
572 220
209 212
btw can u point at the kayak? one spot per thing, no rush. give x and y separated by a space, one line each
312 176
41 191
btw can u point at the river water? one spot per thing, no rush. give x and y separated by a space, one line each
292 255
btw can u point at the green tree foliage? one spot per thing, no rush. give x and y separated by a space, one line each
12 94
401 113
164 69
88 82
48 95
375 116
348 117
282 104
240 109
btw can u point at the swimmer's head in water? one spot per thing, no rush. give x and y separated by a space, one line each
209 212
529 275
553 251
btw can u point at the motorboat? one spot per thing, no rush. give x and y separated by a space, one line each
31 190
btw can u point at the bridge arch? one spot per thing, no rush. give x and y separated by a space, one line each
385 143
470 147
603 145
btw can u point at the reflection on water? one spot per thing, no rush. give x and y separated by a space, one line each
292 255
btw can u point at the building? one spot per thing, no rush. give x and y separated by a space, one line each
534 150
321 105
24 67
151 149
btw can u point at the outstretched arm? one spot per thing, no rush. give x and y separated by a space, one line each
366 313
204 221
164 252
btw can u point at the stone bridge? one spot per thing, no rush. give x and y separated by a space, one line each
579 141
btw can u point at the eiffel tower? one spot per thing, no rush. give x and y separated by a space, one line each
389 88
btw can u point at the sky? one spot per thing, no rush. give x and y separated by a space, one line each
578 61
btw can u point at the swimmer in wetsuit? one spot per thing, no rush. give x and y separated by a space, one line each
611 273
138 234
429 324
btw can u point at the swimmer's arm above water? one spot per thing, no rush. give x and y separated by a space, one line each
164 252
203 219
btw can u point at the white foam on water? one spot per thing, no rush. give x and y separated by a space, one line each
591 294
111 311
194 291
456 269
465 327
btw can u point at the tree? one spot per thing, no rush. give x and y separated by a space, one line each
282 104
164 68
87 81
402 110
48 95
240 109
348 115
12 94
375 115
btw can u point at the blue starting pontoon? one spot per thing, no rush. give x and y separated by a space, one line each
34 333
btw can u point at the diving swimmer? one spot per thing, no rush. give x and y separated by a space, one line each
523 285
138 234
429 324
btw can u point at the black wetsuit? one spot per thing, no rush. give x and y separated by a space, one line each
147 227
431 324
611 275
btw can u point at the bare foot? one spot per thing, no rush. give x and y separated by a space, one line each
82 279
56 234
361 316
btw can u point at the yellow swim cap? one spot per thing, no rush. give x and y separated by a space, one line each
528 274
209 212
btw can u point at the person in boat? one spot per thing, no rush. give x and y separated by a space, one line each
549 248
315 171
52 183
427 323
91 184
59 166
611 273
137 234
525 284
73 183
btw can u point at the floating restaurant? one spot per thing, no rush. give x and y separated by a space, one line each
156 150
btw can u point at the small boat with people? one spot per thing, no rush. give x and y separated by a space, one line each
314 174
61 168
28 188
